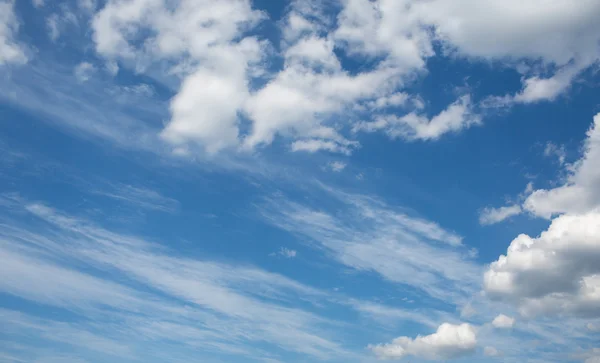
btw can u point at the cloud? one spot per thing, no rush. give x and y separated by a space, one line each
491 352
84 71
496 215
556 272
581 192
11 52
159 295
140 197
368 235
448 342
203 34
413 126
286 253
503 322
337 166
553 150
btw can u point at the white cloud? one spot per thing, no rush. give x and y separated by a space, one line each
496 215
287 253
556 272
553 150
491 352
503 322
581 192
223 307
38 3
337 166
11 52
52 23
140 197
84 71
387 28
367 235
542 89
562 33
593 360
413 126
203 34
448 342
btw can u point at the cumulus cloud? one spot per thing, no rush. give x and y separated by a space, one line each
448 342
11 52
496 215
503 322
557 272
581 192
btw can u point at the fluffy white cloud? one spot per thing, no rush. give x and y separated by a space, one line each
563 33
557 272
449 341
385 27
581 192
10 50
204 40
414 126
495 215
503 322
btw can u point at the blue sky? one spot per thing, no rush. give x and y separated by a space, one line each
299 181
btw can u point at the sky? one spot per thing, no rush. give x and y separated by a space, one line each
299 181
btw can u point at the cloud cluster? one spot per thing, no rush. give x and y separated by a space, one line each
448 342
558 271
232 97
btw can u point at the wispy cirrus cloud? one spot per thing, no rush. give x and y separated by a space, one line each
368 235
222 306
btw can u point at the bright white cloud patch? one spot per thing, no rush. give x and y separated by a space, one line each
449 341
10 50
557 272
414 126
503 322
495 215
581 192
